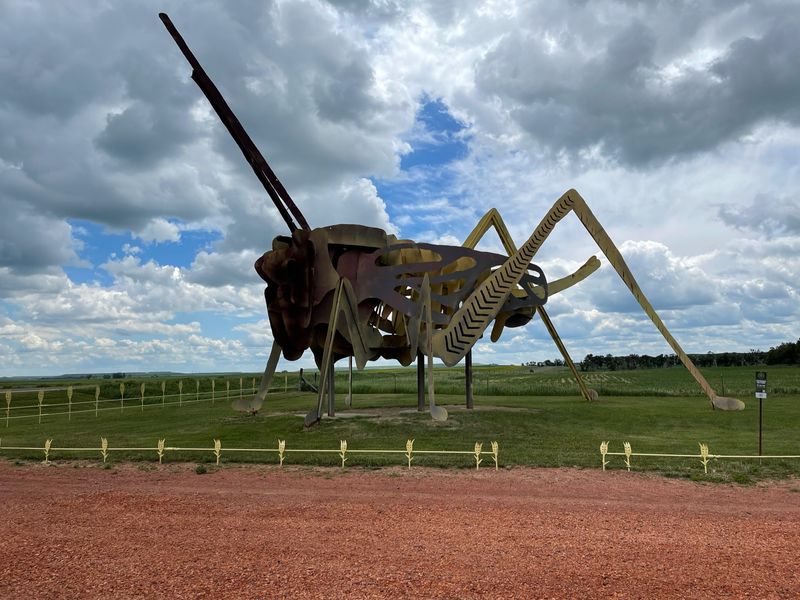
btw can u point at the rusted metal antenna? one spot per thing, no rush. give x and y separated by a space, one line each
280 197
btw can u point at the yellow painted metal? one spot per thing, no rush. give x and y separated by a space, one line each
213 390
180 392
628 453
704 455
40 398
603 452
47 445
588 395
8 405
281 450
254 404
141 393
571 201
492 219
343 451
217 449
69 402
163 391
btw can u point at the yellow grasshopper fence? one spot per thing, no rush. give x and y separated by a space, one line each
281 451
704 456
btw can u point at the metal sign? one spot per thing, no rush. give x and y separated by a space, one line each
761 385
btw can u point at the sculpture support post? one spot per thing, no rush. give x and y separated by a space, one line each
468 379
420 382
331 387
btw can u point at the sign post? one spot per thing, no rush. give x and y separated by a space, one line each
761 394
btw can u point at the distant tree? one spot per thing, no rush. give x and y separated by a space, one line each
784 354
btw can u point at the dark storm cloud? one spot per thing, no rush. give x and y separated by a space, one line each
578 90
141 136
305 92
99 119
31 242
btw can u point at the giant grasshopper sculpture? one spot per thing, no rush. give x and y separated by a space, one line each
356 291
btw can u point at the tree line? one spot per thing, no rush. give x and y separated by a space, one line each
787 353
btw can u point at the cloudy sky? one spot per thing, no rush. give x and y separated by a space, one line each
129 222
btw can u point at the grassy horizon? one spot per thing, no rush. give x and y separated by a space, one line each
658 411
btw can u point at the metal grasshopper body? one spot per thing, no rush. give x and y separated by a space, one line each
387 277
356 291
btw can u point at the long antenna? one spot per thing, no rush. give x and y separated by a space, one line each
280 197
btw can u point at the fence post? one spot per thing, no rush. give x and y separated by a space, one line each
69 403
217 449
141 390
628 452
163 389
213 391
8 405
409 450
96 399
161 450
704 457
47 451
603 452
281 450
478 459
40 398
180 392
121 395
197 389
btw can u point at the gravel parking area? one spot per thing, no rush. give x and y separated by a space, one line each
76 530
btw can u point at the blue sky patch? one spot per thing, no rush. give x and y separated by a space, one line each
101 245
439 142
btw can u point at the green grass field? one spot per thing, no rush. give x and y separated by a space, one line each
537 417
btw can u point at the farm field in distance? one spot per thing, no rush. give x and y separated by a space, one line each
534 413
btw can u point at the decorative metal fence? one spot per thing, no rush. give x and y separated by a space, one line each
704 455
344 452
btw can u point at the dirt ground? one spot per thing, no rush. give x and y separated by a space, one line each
75 530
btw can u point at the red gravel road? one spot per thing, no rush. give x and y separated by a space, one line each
79 531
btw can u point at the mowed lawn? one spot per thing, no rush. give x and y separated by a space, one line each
535 415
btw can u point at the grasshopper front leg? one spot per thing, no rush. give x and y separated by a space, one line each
254 404
344 305
438 413
493 219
